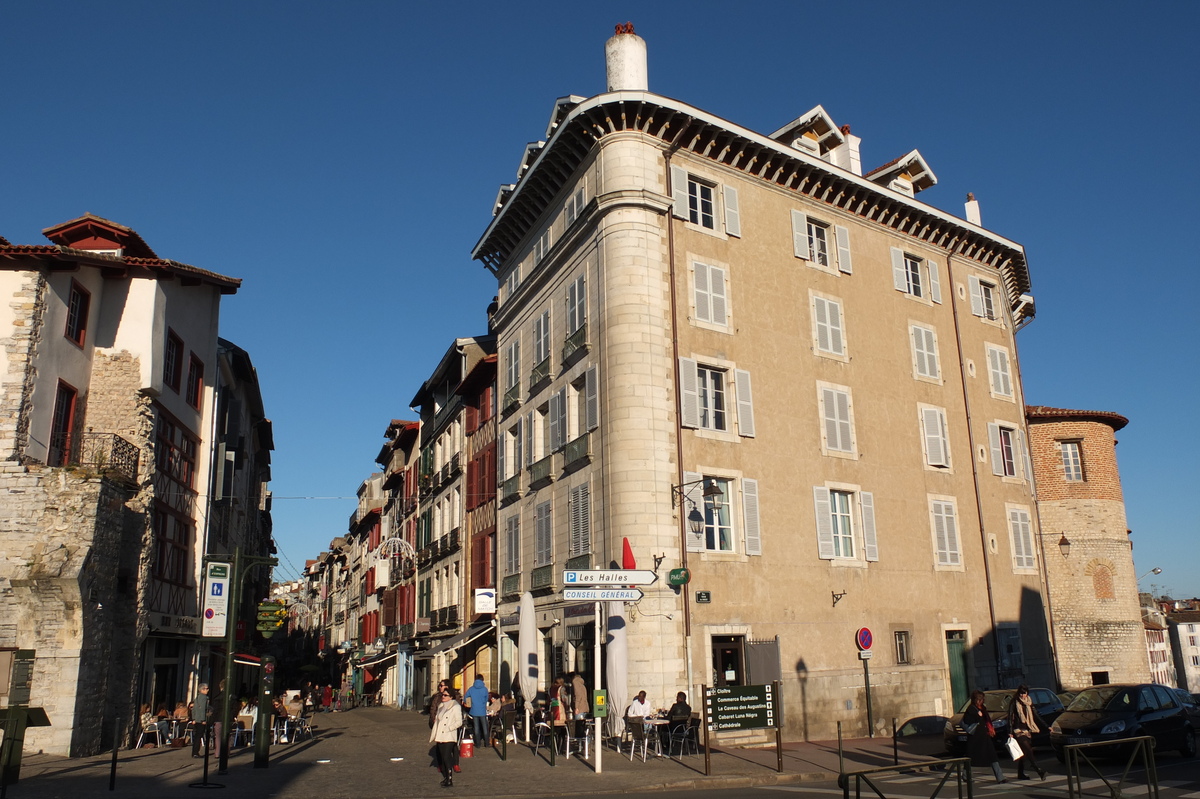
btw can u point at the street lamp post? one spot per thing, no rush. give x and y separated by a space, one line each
392 547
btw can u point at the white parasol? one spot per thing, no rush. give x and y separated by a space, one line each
527 650
618 667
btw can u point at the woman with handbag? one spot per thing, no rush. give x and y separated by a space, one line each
444 735
978 725
1023 722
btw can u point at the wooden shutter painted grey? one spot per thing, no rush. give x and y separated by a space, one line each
1022 455
733 215
529 439
500 475
837 342
934 422
703 293
543 538
843 249
558 402
935 282
870 543
800 235
939 532
837 420
716 288
899 271
591 398
679 190
750 517
689 393
821 317
976 295
824 523
745 403
997 453
694 493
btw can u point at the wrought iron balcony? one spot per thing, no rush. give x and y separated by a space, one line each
576 342
510 488
455 463
510 585
540 372
542 577
541 471
579 562
103 452
511 397
579 450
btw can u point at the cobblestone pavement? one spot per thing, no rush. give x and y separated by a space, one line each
376 753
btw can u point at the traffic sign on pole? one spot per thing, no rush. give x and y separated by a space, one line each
602 594
216 600
609 577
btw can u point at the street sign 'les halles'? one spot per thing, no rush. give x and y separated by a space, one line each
609 577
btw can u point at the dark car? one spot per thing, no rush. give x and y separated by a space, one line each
1115 712
997 703
1190 705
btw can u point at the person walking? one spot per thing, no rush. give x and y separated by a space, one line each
444 735
199 718
477 702
1023 723
978 725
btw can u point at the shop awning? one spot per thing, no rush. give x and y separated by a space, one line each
382 659
456 641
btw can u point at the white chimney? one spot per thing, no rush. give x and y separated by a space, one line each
847 156
625 59
973 210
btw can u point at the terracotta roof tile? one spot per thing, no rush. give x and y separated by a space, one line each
1116 420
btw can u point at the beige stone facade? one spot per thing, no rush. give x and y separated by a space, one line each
701 305
1095 612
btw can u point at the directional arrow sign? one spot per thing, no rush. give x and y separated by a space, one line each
602 594
609 577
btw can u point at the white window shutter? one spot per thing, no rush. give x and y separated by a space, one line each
720 309
556 421
899 272
937 511
591 389
824 523
836 341
518 458
829 414
821 316
703 293
935 282
931 354
580 511
1023 456
844 426
694 492
843 249
733 215
976 295
500 475
750 517
870 543
997 453
689 393
679 190
800 235
935 436
745 403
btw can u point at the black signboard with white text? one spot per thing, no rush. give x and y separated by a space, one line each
743 707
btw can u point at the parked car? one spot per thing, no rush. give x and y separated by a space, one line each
997 703
1067 696
1190 705
1117 712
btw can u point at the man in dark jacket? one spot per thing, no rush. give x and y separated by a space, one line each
199 718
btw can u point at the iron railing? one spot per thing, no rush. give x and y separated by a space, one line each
542 577
511 397
510 585
510 488
575 342
580 562
1140 749
540 372
104 452
541 471
957 767
578 450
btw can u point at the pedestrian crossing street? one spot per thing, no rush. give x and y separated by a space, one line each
921 785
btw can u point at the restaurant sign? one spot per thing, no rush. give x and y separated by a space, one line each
743 707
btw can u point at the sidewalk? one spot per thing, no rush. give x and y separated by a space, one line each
381 752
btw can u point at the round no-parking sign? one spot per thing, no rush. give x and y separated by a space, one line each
863 638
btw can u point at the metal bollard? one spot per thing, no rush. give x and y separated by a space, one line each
895 746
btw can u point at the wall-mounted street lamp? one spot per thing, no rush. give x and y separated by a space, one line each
1064 545
695 518
1155 570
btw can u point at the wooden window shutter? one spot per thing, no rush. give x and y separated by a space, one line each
800 235
976 295
556 421
733 215
745 403
716 288
591 388
843 249
689 394
679 191
703 293
899 271
834 314
750 517
870 543
935 282
825 549
528 439
997 453
694 493
935 436
821 315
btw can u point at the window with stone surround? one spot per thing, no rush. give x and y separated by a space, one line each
984 298
1072 459
696 201
916 276
845 523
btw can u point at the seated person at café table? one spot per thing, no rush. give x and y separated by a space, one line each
639 707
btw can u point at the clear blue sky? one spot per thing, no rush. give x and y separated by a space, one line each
342 158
